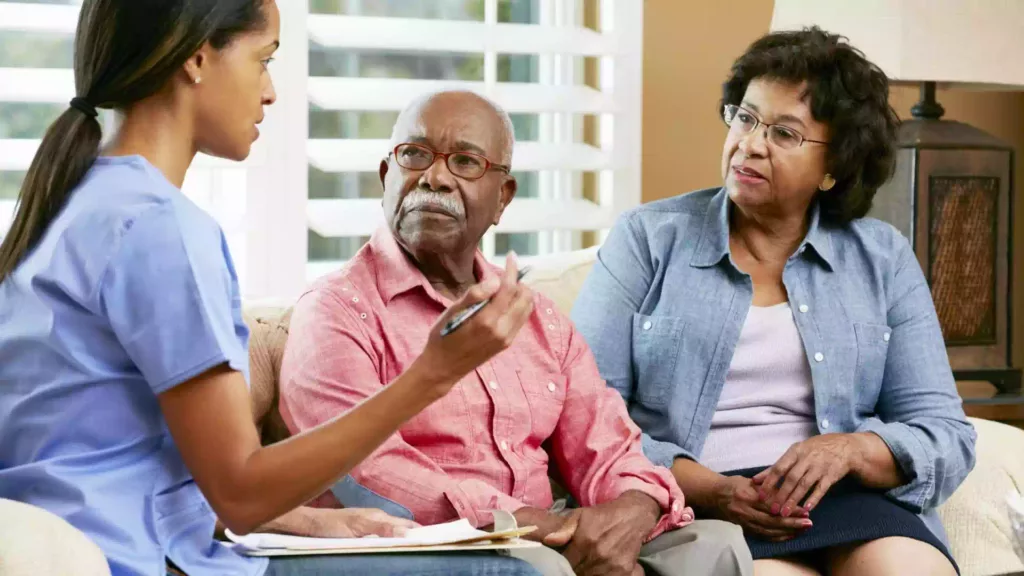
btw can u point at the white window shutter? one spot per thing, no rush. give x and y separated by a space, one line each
557 39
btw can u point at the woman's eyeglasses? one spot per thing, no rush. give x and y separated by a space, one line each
462 164
743 121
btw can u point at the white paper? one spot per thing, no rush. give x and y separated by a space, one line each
423 536
438 534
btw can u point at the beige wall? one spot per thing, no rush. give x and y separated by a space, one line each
688 48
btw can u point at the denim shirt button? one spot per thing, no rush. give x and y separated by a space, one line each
819 357
886 336
647 325
824 424
804 308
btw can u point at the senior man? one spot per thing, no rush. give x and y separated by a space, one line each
488 444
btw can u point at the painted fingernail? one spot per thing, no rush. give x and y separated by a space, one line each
775 508
762 495
785 511
806 524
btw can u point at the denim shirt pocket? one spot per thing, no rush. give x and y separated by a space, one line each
656 344
872 348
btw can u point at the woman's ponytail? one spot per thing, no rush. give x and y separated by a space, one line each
68 150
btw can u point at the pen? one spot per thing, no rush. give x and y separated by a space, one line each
468 313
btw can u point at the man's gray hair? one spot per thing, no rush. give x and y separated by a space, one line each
508 137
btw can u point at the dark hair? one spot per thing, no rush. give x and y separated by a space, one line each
125 51
846 92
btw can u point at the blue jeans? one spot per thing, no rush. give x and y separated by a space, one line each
450 564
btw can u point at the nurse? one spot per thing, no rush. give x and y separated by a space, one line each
123 366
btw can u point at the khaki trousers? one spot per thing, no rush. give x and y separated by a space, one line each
703 548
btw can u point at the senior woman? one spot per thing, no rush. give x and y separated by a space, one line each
780 350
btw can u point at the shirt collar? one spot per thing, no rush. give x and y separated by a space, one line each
713 244
397 272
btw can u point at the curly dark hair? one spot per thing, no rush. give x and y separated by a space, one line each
847 93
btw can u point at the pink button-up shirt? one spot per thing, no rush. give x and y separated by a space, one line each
487 444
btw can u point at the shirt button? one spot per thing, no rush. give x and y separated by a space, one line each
550 311
804 308
504 445
551 386
647 325
886 336
819 357
355 299
363 315
824 424
493 385
551 326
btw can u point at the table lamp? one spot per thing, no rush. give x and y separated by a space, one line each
952 192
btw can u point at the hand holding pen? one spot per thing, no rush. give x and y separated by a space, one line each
467 313
484 322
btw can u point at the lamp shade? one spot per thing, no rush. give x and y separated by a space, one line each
973 42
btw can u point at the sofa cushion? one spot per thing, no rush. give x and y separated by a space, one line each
268 332
35 542
976 516
560 276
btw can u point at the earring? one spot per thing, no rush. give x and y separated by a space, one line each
198 80
827 183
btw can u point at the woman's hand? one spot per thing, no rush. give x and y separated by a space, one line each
488 332
806 472
356 523
736 500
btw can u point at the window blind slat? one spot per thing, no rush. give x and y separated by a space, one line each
393 94
335 155
411 34
340 218
45 18
37 85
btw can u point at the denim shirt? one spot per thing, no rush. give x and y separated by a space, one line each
664 305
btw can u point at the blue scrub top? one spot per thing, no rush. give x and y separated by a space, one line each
130 292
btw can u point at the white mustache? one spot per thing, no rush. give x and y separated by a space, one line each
419 199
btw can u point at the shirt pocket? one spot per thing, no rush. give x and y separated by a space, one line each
656 343
545 396
184 522
872 349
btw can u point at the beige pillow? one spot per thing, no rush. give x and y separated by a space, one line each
976 515
35 542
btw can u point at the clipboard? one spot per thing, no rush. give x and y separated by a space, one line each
458 536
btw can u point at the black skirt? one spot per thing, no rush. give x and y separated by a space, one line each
849 513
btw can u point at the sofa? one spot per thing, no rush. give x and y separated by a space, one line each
975 517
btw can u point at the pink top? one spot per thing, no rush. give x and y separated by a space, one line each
487 444
767 402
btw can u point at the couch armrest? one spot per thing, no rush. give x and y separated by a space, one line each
976 515
34 542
